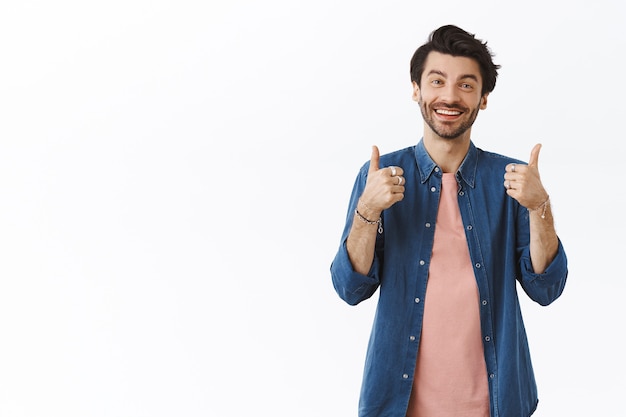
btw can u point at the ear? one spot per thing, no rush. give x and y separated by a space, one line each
416 91
483 102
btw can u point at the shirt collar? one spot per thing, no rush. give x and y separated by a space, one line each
466 172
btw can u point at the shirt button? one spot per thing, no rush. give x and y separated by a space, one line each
417 300
484 302
487 338
469 227
405 376
436 169
461 193
411 338
477 265
427 224
433 189
422 263
492 376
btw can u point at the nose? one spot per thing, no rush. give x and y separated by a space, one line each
449 93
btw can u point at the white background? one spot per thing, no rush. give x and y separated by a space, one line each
174 178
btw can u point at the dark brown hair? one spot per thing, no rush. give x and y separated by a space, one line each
452 40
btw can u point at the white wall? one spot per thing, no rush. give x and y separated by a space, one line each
174 178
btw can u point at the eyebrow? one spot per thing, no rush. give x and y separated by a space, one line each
462 77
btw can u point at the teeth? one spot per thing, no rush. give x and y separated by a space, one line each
449 112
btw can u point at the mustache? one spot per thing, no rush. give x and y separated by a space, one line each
449 106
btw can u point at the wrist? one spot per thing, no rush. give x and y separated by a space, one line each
368 212
368 216
542 208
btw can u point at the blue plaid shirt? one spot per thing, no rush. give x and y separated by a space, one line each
498 236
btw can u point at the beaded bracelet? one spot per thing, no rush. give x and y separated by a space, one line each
379 222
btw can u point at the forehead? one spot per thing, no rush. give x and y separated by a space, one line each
451 67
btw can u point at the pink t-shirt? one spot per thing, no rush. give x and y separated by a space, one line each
451 375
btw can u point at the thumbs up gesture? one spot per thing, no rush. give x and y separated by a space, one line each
384 186
523 183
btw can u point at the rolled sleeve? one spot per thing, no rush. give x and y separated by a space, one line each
546 287
350 285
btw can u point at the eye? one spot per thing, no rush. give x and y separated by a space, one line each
467 86
436 82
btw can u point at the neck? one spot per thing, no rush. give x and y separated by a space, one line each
448 154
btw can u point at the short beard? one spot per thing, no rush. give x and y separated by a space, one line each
450 134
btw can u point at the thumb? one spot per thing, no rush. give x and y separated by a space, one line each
374 159
534 156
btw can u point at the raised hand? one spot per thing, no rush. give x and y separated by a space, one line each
384 186
523 183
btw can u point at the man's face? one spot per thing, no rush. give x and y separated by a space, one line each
450 94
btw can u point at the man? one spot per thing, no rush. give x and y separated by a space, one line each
446 230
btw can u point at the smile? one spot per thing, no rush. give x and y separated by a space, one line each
448 112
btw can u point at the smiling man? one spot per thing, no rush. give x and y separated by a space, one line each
445 232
